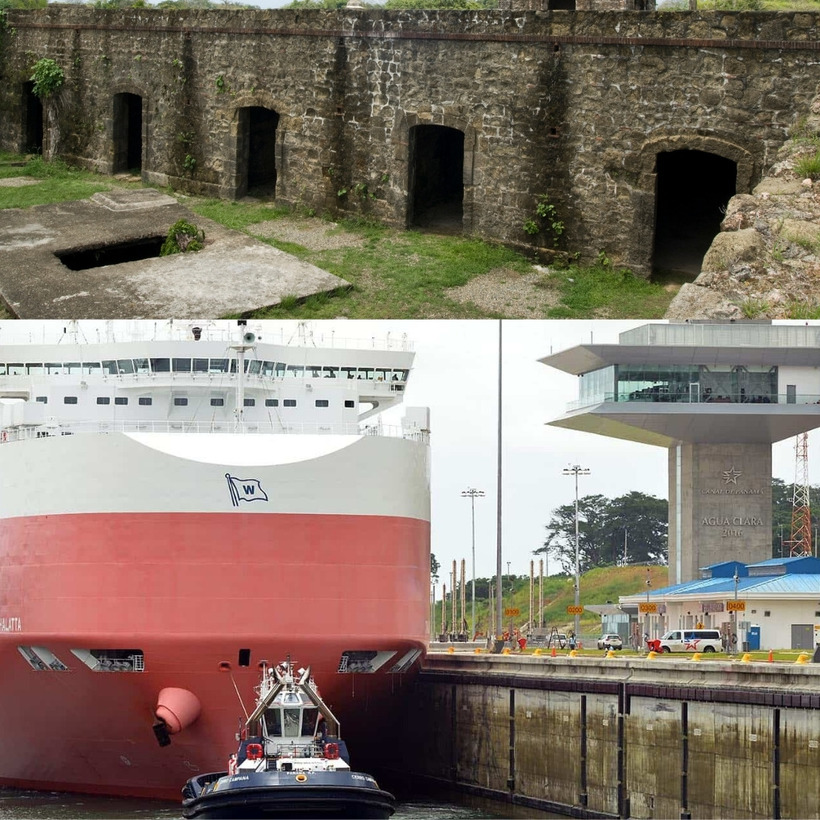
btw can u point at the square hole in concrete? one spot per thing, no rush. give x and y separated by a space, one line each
114 254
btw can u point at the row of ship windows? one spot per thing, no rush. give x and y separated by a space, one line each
182 401
133 660
253 367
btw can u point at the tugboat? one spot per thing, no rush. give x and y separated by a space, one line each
291 761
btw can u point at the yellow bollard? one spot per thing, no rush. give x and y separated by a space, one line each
477 651
538 651
505 651
652 655
610 653
451 649
747 658
696 656
803 657
573 653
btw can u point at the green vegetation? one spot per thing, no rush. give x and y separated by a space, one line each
183 237
48 78
395 274
808 167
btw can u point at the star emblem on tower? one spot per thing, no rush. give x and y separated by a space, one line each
731 476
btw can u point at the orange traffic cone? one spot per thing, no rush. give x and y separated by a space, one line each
771 656
553 651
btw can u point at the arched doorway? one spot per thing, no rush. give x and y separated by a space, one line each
33 121
127 133
693 189
256 151
436 183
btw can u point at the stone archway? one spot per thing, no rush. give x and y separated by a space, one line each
127 133
256 150
686 182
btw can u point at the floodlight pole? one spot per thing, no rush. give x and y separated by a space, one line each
472 494
576 470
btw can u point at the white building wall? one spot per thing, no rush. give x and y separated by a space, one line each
806 380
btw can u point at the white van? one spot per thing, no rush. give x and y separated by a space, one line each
691 640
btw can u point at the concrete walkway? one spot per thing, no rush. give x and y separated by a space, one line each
233 274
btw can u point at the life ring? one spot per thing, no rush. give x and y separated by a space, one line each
331 751
254 751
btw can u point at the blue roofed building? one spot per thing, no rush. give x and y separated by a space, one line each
772 604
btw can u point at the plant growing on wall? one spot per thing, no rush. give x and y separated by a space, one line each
545 219
48 80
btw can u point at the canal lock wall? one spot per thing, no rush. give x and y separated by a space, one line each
595 737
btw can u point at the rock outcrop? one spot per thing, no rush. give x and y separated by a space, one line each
765 262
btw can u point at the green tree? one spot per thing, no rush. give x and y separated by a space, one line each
601 526
48 78
434 567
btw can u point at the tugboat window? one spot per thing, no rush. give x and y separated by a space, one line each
273 723
292 717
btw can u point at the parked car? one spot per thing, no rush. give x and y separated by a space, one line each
561 639
610 641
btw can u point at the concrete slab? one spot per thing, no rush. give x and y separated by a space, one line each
233 274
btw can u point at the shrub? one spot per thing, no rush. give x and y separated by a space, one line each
182 238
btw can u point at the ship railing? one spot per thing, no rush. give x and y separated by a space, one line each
660 394
49 430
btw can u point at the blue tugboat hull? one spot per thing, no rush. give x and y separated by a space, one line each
282 794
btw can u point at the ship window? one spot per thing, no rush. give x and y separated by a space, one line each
200 365
146 401
383 375
269 369
322 403
120 400
35 369
125 366
72 367
366 373
91 368
310 717
254 367
69 399
244 657
112 660
249 402
271 402
160 365
295 371
110 367
349 403
348 372
42 659
314 371
3 369
17 369
182 365
180 401
103 399
217 402
42 399
280 370
290 402
331 372
219 366
273 722
292 722
141 366
52 368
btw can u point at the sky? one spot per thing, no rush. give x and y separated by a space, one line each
455 373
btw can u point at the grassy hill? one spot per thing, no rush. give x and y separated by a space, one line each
597 587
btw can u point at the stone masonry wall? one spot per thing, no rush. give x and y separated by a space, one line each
574 105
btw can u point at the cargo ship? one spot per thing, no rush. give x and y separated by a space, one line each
180 509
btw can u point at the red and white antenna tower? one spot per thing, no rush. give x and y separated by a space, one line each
800 541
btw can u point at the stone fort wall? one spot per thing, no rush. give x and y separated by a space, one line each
574 105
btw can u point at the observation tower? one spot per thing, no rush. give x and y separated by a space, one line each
716 395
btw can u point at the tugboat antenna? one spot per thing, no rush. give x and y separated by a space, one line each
236 689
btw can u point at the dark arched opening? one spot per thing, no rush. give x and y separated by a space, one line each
256 147
561 5
33 121
127 133
436 184
693 190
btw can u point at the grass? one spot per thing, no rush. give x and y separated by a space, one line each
57 182
393 274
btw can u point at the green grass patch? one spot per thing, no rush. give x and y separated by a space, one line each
236 215
606 293
57 182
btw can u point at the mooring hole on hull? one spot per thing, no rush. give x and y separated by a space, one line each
116 254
